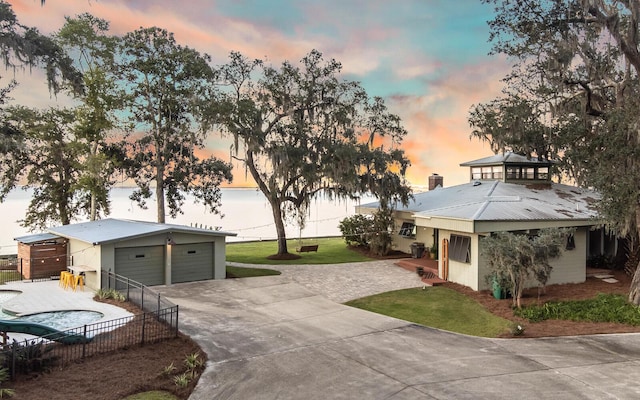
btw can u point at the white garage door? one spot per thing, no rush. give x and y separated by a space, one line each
191 262
142 264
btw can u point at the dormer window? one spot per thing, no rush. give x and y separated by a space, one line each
486 173
513 172
543 173
510 167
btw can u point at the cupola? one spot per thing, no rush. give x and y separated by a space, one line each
510 168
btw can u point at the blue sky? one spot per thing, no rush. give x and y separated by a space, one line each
427 58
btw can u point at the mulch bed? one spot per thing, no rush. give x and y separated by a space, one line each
580 291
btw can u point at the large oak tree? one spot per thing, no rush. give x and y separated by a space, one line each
303 131
577 65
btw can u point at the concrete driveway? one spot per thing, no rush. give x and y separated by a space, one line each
275 338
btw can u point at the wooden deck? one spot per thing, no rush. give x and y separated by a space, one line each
429 266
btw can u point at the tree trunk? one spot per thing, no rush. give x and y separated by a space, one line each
274 202
634 289
279 222
160 191
92 216
93 211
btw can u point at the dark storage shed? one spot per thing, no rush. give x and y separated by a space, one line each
41 256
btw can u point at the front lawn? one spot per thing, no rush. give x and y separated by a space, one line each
437 307
330 251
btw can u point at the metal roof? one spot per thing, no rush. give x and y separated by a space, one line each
500 201
115 230
35 238
505 158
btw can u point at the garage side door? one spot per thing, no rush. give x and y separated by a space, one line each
142 264
191 262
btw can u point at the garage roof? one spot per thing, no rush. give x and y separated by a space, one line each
115 230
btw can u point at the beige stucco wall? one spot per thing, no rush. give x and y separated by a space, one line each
459 272
83 253
401 243
570 267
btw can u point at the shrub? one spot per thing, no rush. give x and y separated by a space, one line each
104 294
356 230
380 242
602 308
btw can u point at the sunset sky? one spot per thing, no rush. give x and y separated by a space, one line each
427 58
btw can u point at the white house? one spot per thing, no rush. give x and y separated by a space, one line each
147 252
506 192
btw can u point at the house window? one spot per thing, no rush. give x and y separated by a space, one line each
513 172
460 248
497 172
543 173
486 172
571 242
529 173
476 173
408 230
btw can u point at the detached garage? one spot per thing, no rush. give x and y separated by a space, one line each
147 252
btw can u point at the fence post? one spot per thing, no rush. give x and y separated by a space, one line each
128 288
158 309
84 342
177 309
109 279
144 320
13 360
142 297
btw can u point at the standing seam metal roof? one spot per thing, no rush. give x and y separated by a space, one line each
114 230
500 201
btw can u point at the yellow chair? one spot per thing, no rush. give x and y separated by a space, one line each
78 280
66 279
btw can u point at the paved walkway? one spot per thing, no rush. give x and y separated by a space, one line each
349 281
286 337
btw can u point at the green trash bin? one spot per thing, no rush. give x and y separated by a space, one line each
498 291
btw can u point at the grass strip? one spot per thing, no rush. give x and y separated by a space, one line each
437 307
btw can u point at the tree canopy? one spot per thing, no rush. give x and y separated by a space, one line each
87 38
303 131
166 85
576 68
47 157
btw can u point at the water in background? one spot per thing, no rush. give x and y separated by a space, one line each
246 213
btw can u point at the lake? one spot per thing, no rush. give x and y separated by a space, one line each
246 213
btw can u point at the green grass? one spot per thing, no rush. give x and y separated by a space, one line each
602 308
330 251
153 395
241 272
436 307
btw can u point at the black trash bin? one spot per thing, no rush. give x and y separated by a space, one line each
417 249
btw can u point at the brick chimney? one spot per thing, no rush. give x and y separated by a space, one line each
435 180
